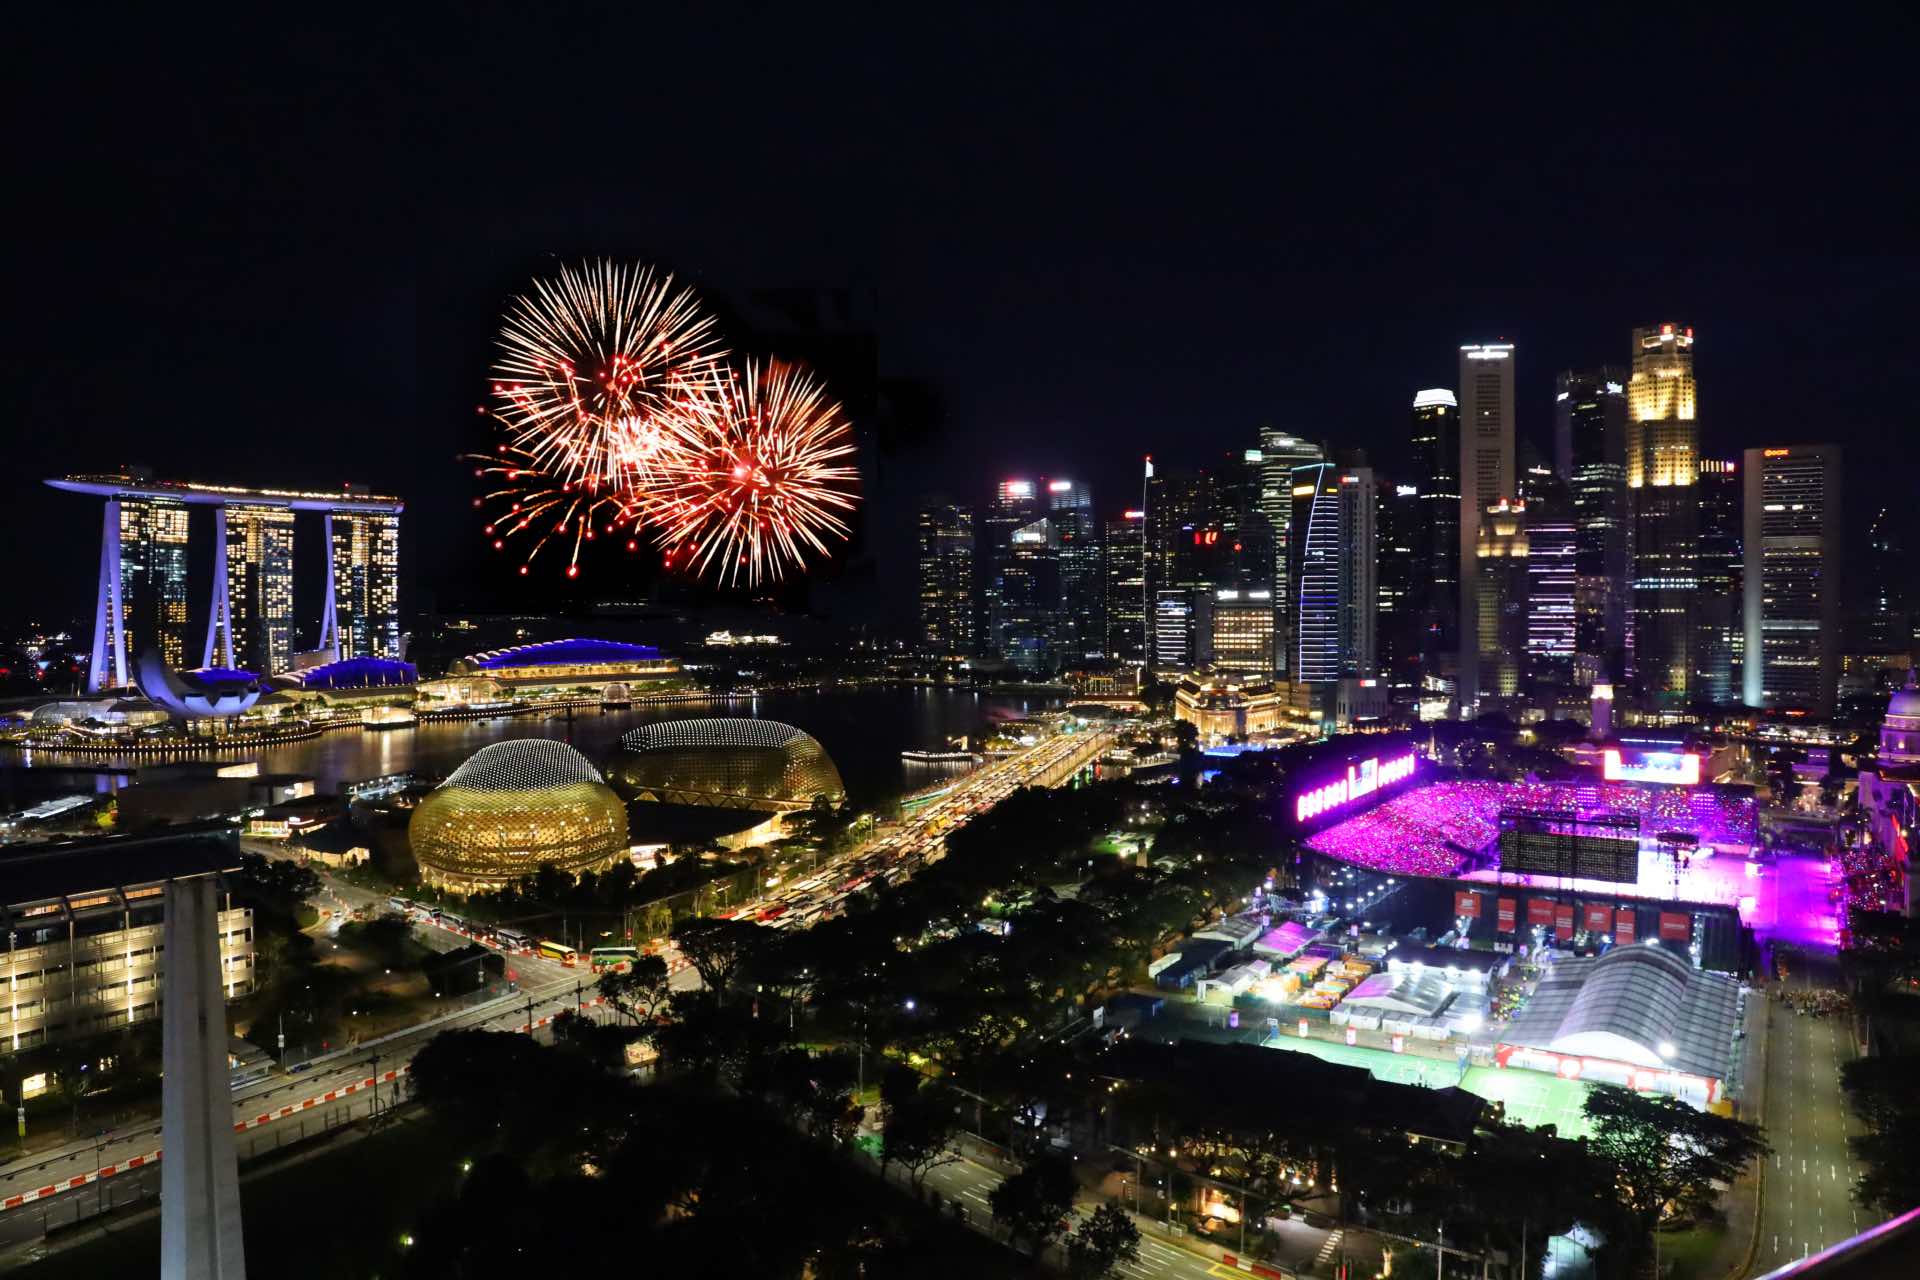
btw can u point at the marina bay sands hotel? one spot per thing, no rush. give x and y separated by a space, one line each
250 627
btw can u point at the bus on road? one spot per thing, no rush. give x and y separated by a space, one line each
560 951
618 958
512 939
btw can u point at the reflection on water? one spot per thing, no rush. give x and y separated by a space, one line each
863 730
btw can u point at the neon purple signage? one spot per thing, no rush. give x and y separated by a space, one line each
1362 779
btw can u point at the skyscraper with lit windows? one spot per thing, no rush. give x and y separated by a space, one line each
1435 538
1719 629
1125 570
1663 445
1792 568
1333 551
1486 477
1081 628
1280 452
253 604
153 579
946 578
1590 451
363 604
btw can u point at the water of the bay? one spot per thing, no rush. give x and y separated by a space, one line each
864 730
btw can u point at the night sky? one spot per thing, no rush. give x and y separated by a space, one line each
275 254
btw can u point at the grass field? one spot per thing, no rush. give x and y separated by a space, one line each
1397 1068
1531 1097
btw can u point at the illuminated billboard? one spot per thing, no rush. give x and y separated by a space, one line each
1676 768
1362 779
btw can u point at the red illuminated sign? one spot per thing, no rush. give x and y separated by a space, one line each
1466 904
1599 918
1540 911
1506 908
1623 925
1563 920
1675 925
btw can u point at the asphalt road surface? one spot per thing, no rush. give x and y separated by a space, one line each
1808 1202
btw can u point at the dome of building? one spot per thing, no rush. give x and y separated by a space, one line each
1900 731
746 764
511 807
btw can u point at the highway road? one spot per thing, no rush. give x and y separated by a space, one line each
971 1184
330 1090
1807 1202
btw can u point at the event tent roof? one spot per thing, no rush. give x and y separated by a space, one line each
1640 1004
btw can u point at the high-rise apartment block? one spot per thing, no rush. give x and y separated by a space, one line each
1792 569
1663 444
1590 449
1486 477
946 578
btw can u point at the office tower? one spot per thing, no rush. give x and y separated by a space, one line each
1436 464
1400 583
1240 631
1280 453
362 618
1126 579
1552 556
1501 565
1719 637
1880 625
1030 599
1175 644
251 626
1663 441
946 578
1590 445
1792 565
1082 629
1332 547
1015 504
1486 477
1183 554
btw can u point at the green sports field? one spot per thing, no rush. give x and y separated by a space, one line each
1398 1068
1531 1097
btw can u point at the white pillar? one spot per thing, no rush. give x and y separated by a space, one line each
199 1179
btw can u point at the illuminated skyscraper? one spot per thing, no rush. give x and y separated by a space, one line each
1552 553
1183 555
1332 546
1663 444
1015 504
1401 583
1081 628
1792 567
1126 587
1280 453
252 624
1240 631
946 578
1030 599
1436 538
1486 475
1501 565
1719 635
363 600
143 574
1590 450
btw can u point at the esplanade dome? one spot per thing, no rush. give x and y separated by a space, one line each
732 763
511 807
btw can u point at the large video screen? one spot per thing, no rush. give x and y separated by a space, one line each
1563 855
